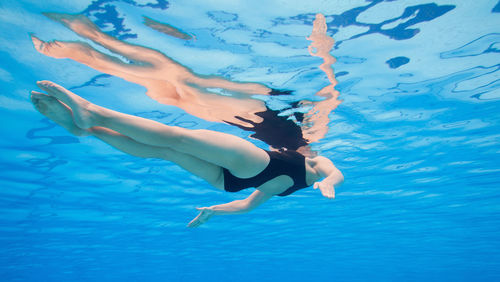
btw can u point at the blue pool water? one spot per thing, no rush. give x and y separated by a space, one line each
416 135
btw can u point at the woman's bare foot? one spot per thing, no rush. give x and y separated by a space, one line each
82 109
57 112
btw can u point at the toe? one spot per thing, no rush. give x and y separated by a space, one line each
44 83
47 86
34 100
37 42
38 95
50 86
58 92
39 105
34 96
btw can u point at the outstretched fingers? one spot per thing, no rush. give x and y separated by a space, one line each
327 189
203 216
196 222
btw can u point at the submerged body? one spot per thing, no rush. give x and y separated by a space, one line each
216 157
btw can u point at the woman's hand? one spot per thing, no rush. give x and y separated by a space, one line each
204 216
327 188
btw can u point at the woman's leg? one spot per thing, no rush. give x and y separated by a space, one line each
62 115
239 156
56 111
205 170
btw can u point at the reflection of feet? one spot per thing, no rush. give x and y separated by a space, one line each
53 49
80 107
76 22
56 111
61 49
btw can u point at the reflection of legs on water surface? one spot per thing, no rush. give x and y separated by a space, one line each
87 55
166 68
81 25
224 150
166 81
169 82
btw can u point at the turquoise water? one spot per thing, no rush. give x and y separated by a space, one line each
416 136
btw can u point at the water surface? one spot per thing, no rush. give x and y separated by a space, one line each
415 131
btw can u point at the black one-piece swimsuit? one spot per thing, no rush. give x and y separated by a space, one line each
290 163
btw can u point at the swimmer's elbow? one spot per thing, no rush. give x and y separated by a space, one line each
255 200
337 177
341 177
247 206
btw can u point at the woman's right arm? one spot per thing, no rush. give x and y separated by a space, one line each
242 206
234 207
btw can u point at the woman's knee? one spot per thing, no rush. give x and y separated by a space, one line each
175 136
188 140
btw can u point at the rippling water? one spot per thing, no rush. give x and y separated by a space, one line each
416 135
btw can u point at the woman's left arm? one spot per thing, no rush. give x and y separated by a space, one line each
234 207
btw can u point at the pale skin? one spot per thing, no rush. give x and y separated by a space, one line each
166 80
203 153
169 82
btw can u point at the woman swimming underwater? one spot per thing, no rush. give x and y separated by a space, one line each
225 161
